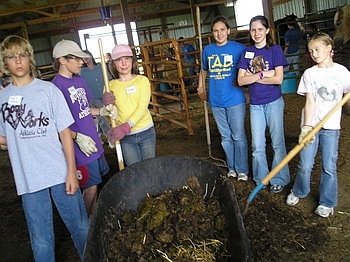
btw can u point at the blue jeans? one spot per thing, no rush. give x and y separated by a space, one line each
139 146
328 141
230 123
268 115
293 59
38 211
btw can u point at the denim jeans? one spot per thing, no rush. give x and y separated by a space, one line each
328 141
38 211
139 146
230 123
268 115
293 59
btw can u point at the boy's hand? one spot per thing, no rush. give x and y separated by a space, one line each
86 144
72 184
110 111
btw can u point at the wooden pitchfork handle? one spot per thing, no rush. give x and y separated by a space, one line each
113 122
297 148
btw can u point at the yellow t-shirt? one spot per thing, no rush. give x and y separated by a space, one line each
132 100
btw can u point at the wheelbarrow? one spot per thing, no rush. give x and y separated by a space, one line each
128 188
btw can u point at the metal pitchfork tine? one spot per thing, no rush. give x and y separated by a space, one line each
294 151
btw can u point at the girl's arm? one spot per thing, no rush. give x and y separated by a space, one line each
72 184
309 109
270 77
200 89
202 75
245 77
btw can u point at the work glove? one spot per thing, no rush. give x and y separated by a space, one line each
118 133
110 111
305 130
108 98
86 144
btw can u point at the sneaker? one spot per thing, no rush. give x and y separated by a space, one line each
232 173
292 199
276 188
323 211
242 176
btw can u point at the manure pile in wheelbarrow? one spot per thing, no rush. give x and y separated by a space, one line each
159 208
177 225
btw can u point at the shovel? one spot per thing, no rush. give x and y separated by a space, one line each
118 147
294 151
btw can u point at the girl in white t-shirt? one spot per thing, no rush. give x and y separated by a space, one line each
323 85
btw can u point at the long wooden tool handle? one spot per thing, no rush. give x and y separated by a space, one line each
113 122
298 147
205 103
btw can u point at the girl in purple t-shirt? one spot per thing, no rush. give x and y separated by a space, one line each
261 69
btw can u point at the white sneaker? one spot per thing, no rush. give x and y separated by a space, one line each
232 173
292 199
242 176
324 211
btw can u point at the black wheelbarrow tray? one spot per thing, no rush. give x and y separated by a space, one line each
128 188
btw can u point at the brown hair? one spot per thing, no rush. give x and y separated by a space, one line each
220 19
265 23
115 74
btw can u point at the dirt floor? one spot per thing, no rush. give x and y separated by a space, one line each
276 232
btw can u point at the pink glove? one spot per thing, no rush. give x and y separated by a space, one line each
118 133
108 98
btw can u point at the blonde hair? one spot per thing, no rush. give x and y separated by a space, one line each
323 38
16 44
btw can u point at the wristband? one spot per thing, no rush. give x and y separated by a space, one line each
261 75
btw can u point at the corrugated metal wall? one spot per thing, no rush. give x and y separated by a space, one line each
297 7
317 5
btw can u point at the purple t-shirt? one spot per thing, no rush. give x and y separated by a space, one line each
78 97
269 59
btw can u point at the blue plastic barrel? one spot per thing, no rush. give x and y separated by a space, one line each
289 84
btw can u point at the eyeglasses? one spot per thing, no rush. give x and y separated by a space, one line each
14 58
70 57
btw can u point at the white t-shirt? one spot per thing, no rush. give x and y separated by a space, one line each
328 86
30 118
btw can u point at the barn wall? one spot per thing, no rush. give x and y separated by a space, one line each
326 4
295 6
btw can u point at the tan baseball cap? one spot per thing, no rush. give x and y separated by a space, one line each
68 47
